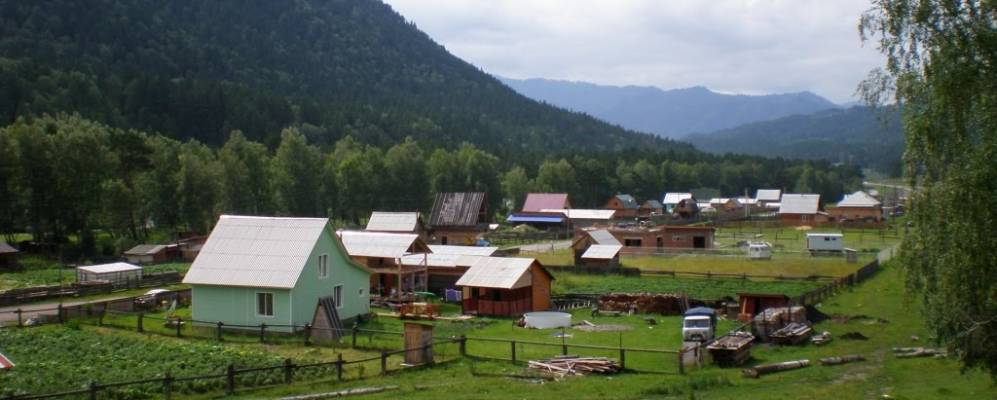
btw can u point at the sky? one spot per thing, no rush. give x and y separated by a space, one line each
730 46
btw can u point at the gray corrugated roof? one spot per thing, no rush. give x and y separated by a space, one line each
859 199
256 251
602 251
799 204
498 273
6 248
603 236
381 221
457 209
145 249
628 201
377 244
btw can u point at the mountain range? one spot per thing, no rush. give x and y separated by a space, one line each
667 113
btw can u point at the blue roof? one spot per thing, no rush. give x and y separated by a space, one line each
535 218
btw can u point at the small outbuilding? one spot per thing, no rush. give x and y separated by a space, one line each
625 205
150 253
750 304
396 222
500 286
119 272
858 206
585 239
8 256
458 218
801 209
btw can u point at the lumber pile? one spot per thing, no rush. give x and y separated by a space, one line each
821 338
574 365
792 333
759 370
731 349
664 304
913 352
773 319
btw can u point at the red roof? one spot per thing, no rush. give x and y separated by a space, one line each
5 362
536 202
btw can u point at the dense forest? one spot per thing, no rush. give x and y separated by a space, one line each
869 138
200 69
65 175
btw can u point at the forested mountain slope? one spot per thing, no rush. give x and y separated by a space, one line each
667 113
200 69
858 136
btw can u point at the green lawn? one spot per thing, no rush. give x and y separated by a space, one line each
39 271
792 239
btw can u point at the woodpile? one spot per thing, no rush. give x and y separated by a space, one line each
574 365
760 370
913 352
773 319
792 333
731 349
664 304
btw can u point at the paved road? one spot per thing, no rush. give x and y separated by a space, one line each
545 246
8 314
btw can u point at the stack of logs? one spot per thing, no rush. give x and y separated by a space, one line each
773 319
792 333
574 365
912 352
664 304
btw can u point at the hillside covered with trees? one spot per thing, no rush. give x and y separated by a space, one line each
858 136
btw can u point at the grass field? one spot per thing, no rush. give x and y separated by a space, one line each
791 239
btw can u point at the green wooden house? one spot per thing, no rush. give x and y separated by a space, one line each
255 270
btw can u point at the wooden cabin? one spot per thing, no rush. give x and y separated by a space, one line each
446 264
8 257
505 287
858 206
801 209
458 218
625 205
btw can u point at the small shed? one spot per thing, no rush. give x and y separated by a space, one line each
119 272
502 286
602 255
8 256
148 254
418 343
751 304
825 242
625 205
586 238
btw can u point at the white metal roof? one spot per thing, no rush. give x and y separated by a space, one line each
576 213
675 198
106 268
859 199
719 200
440 260
799 204
256 251
603 236
463 250
768 194
393 221
602 251
746 201
498 273
377 244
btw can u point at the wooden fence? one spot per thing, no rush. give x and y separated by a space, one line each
817 295
32 294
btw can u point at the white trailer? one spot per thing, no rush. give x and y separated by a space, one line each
825 242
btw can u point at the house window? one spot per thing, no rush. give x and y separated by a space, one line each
337 295
323 266
360 292
264 304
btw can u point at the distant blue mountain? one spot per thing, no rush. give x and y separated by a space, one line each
669 113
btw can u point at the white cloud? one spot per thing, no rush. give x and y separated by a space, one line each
731 46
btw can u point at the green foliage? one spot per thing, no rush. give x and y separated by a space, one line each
940 65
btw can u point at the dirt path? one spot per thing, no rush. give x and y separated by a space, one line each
8 314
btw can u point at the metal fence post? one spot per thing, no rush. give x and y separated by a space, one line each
339 367
168 385
512 348
384 362
263 332
218 330
230 379
288 371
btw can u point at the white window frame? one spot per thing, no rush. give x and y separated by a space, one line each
337 296
323 266
262 315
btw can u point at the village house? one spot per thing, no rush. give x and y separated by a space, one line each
396 222
858 206
625 205
8 257
766 197
500 286
801 209
584 218
543 211
382 254
256 270
458 218
651 207
596 247
672 199
152 253
446 264
665 236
